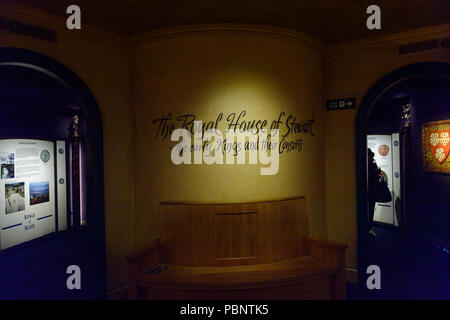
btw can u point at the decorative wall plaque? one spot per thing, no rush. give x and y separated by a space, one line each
436 146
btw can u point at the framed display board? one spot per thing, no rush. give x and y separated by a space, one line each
436 146
27 190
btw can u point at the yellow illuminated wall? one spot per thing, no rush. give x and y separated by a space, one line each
224 73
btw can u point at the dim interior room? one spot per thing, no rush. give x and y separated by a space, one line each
147 84
420 202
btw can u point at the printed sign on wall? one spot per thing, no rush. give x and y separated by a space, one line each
292 129
27 196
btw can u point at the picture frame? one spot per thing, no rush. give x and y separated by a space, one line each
436 146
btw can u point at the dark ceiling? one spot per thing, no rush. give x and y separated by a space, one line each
332 21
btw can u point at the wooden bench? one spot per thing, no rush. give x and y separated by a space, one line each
237 251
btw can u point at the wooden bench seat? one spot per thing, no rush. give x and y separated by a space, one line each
244 261
225 278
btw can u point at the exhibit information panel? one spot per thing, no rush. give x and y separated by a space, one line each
387 157
27 190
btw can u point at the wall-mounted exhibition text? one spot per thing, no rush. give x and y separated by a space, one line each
287 124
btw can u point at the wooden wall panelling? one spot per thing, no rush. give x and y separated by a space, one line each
232 234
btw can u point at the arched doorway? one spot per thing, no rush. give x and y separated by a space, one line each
68 88
429 73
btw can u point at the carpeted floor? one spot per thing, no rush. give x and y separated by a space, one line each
37 271
412 267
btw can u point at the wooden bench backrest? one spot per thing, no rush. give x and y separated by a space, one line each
232 234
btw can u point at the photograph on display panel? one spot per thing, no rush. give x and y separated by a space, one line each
14 197
39 192
7 165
